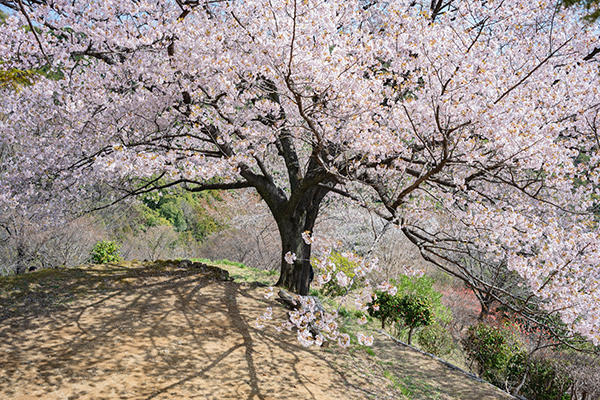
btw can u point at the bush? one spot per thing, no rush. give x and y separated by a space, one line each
415 311
104 252
545 379
502 362
435 339
491 348
385 307
422 286
343 264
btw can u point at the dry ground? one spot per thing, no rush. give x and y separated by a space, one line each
136 331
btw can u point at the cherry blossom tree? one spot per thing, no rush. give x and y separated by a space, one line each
484 112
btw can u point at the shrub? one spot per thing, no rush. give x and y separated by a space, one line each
435 339
104 252
385 307
502 362
422 286
491 348
343 264
545 379
415 311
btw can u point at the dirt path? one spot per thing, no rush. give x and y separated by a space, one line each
136 333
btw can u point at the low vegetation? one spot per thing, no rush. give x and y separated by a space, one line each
105 251
515 358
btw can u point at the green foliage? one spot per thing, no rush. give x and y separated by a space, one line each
385 307
185 211
416 304
544 378
491 348
171 210
15 78
202 225
423 287
341 263
504 363
343 312
105 251
435 339
151 217
166 207
546 381
415 310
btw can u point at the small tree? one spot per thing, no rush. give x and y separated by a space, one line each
386 307
492 349
415 312
436 339
105 251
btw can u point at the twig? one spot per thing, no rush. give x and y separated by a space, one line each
33 31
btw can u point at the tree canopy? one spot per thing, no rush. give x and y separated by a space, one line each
471 125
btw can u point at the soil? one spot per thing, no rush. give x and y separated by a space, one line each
140 332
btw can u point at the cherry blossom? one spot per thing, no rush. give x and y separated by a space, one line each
388 288
342 279
344 340
473 127
270 292
290 257
365 340
307 237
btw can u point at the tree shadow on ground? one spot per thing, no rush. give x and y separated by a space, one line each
152 331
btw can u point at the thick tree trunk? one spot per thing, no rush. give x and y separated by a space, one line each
410 332
292 223
297 276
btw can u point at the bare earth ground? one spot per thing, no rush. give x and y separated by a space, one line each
136 331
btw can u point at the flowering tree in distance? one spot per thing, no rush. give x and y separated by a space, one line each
483 112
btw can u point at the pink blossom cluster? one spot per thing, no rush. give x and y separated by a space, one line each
314 326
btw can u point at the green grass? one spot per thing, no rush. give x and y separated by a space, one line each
369 351
411 388
406 390
220 262
240 272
